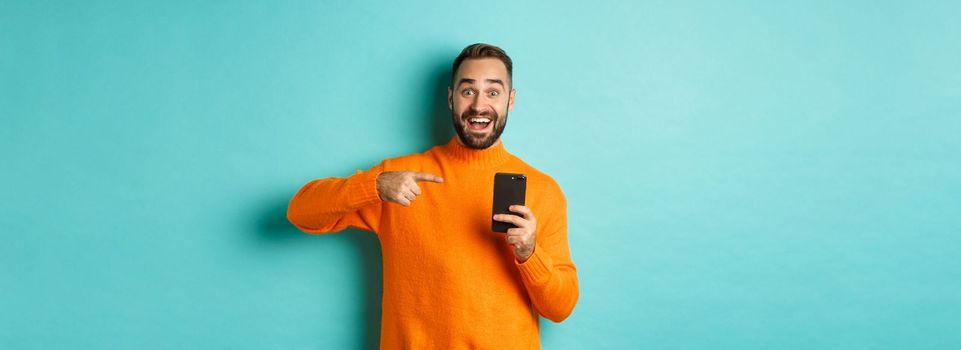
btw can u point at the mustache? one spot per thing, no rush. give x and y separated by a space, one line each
474 113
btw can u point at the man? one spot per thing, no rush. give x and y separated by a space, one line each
449 280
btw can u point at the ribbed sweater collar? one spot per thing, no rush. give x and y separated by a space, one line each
485 158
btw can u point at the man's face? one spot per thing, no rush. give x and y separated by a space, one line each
479 101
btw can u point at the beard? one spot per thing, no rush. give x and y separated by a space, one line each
474 141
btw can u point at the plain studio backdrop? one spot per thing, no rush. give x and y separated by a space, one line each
740 175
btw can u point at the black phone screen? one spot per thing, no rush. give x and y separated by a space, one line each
509 189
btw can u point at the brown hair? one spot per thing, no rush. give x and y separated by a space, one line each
481 50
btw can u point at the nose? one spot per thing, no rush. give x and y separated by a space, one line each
475 103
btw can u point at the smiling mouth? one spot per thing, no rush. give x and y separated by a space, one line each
478 123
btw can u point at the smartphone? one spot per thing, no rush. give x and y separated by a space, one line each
509 189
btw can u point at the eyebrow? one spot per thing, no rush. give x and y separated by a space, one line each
471 81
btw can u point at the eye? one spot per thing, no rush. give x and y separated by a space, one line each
493 93
468 92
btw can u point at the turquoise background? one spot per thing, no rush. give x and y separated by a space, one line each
740 175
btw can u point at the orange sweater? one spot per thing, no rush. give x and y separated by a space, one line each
449 281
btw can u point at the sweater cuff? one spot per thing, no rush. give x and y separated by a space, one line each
537 268
362 189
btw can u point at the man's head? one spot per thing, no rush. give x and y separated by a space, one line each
481 94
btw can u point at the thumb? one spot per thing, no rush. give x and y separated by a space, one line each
427 177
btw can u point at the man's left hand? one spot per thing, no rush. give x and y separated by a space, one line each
522 237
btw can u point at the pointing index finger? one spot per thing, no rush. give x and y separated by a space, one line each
427 177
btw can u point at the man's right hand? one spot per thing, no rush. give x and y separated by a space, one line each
401 186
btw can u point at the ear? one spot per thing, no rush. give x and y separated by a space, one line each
450 98
510 103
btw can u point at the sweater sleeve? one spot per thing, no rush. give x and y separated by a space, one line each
549 274
333 204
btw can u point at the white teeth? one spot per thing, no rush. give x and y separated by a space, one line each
479 120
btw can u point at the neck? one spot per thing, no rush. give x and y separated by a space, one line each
496 143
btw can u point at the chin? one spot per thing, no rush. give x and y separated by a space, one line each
479 141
